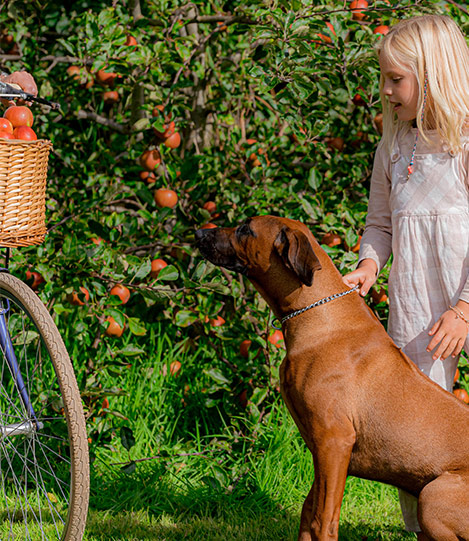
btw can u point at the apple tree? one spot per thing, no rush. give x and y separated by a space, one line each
175 115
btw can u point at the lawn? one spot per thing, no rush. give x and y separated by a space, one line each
244 482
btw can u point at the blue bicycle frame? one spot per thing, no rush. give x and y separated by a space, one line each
6 346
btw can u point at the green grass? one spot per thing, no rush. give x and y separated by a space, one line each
253 494
211 475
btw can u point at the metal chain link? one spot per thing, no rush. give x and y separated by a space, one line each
317 303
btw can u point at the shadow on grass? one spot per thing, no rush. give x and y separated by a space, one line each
158 504
155 503
365 532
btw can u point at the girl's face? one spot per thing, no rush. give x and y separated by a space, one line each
401 88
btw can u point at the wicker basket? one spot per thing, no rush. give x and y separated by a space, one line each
23 176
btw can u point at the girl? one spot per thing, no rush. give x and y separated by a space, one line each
419 199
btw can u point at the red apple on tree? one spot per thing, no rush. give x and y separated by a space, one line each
150 159
165 197
34 279
358 7
79 299
156 266
113 329
122 292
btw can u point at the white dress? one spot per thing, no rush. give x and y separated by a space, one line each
424 223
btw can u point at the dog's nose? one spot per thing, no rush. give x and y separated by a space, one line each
199 234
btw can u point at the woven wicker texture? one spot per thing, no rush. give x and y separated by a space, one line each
23 177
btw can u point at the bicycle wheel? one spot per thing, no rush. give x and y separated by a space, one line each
44 467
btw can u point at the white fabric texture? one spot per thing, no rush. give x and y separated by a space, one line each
424 222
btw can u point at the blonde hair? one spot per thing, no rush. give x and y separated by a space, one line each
434 47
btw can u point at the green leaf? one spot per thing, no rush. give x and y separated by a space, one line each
136 326
351 238
130 350
169 273
60 309
129 468
66 45
184 51
158 293
118 414
127 437
141 124
184 318
117 315
201 270
158 123
216 375
143 270
218 287
259 395
310 211
210 402
314 178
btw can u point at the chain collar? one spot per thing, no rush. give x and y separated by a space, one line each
317 303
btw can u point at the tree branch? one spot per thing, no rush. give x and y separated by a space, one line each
138 98
121 128
304 165
12 57
67 59
135 9
225 19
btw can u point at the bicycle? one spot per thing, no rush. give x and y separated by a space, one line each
44 465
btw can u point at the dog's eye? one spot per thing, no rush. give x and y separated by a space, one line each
243 231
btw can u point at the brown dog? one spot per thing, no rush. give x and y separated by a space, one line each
362 407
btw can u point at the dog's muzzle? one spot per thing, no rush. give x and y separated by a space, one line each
215 246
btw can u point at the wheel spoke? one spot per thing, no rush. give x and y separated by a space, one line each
36 462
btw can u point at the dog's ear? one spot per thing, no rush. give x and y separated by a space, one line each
295 249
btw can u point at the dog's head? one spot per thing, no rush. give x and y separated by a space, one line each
254 247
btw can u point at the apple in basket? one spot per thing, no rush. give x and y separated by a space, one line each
16 124
24 132
6 125
19 115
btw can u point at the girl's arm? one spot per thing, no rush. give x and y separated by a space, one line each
365 276
450 331
376 242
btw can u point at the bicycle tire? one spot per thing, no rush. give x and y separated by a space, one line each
35 487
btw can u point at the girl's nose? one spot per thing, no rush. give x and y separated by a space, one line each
387 89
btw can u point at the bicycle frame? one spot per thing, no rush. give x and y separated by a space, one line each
6 347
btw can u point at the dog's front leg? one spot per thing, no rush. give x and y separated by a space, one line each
321 509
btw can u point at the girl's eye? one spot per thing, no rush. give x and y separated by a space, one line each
396 79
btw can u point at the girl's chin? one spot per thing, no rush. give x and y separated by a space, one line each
403 116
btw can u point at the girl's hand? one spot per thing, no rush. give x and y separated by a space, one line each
365 276
449 334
